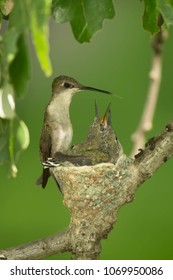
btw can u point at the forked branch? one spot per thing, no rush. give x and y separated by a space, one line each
94 195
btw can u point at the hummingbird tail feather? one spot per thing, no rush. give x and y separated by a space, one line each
42 180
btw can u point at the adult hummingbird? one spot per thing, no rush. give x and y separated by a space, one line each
57 131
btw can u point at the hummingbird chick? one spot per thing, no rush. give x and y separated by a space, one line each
102 144
57 131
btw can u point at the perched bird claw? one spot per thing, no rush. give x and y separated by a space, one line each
50 163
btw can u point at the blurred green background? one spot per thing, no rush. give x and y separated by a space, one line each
118 59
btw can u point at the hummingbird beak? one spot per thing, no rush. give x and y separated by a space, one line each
104 122
94 89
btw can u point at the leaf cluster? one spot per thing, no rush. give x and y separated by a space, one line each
152 10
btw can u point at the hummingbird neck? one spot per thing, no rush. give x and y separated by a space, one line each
58 108
58 117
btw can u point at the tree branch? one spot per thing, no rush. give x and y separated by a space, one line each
146 121
38 249
94 195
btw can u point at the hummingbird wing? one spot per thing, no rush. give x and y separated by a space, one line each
45 143
45 151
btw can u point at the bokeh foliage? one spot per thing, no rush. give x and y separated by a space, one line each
103 60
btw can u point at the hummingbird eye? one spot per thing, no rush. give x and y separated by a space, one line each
68 85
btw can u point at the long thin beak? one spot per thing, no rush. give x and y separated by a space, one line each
104 121
94 89
96 110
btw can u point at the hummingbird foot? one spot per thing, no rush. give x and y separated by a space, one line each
50 163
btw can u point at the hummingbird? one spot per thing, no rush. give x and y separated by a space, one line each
57 131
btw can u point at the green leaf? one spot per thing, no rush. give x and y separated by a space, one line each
14 138
9 47
33 16
20 11
165 7
63 10
21 61
150 16
22 135
39 12
85 16
7 104
151 12
18 141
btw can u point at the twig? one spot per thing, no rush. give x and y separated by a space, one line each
38 249
94 195
146 121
